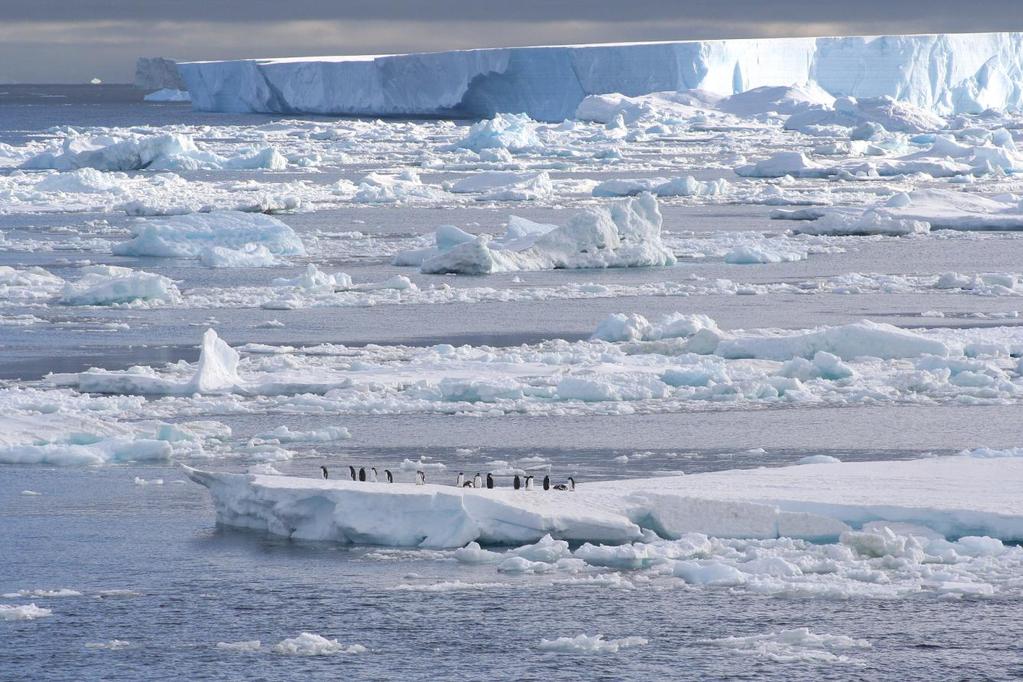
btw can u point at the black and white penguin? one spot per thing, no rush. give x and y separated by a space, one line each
468 484
570 486
546 482
373 475
477 482
460 481
351 470
323 470
529 482
362 474
389 475
490 481
420 477
517 483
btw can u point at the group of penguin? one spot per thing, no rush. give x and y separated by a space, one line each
518 482
361 474
461 482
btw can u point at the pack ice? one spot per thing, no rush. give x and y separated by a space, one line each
944 73
954 496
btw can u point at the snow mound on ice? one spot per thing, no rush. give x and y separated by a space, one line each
23 612
514 132
506 186
111 285
627 234
134 151
590 644
309 644
798 645
222 239
849 112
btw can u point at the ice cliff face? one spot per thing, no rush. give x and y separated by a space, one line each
946 73
157 73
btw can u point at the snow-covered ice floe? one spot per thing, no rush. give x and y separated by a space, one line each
225 239
947 73
952 497
626 234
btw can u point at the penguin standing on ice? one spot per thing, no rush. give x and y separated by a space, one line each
373 475
490 481
517 482
362 474
460 481
351 470
323 470
529 482
547 482
420 477
570 486
477 482
389 475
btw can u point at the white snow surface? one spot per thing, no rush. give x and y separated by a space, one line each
945 73
952 496
590 644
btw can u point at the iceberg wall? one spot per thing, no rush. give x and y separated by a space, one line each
946 73
157 73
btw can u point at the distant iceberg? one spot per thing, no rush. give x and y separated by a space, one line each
943 73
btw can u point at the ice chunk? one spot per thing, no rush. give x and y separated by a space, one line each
163 151
218 366
514 132
168 95
309 644
23 612
590 644
192 236
110 285
628 234
798 645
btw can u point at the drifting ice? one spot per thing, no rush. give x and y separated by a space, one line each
627 234
944 73
952 496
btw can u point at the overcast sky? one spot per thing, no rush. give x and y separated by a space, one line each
69 41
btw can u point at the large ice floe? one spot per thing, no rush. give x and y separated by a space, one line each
224 239
127 151
951 497
915 212
627 234
946 73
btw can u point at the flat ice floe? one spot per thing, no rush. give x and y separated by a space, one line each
951 497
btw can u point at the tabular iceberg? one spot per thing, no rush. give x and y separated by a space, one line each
945 73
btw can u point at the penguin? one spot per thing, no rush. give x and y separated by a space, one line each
490 481
546 482
351 470
477 482
323 469
517 483
460 481
570 486
390 477
373 475
468 484
420 477
529 482
362 474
